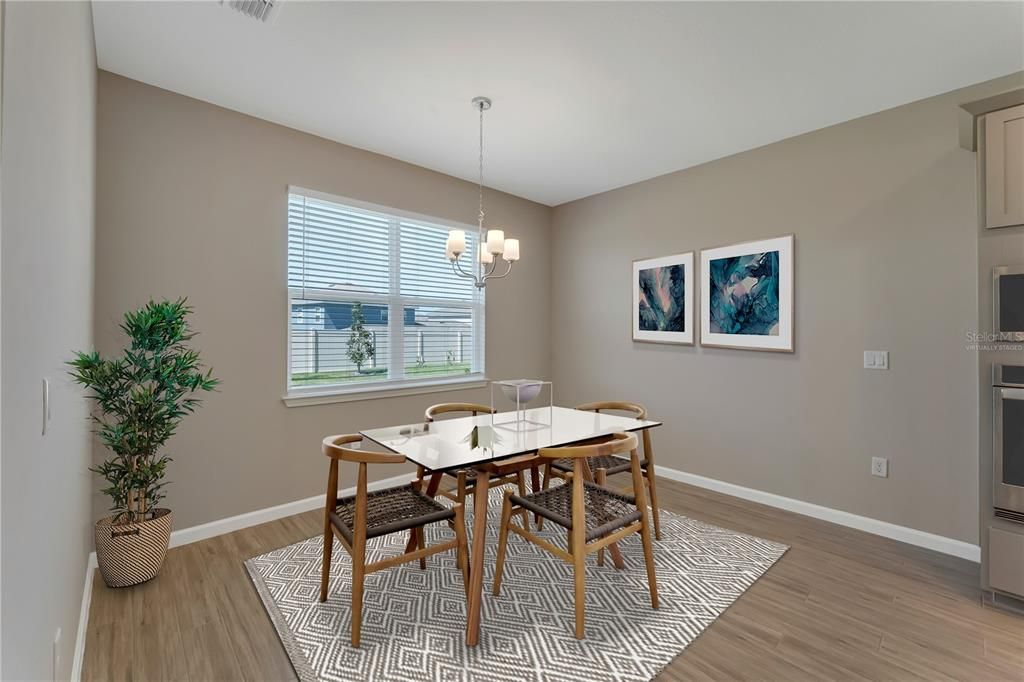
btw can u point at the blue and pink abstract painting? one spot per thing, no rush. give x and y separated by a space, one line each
744 293
662 299
748 293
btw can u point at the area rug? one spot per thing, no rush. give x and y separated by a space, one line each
414 620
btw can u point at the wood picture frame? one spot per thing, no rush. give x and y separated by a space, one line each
747 300
663 299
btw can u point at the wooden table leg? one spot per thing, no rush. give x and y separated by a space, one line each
535 484
476 575
613 548
433 484
431 492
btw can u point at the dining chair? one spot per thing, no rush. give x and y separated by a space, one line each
594 516
602 467
365 515
501 473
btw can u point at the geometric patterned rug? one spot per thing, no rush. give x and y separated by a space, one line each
414 620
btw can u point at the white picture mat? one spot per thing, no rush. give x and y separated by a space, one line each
683 337
784 340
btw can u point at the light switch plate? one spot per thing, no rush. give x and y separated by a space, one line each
46 403
56 654
876 359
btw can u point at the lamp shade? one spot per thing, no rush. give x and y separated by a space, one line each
495 241
511 253
457 241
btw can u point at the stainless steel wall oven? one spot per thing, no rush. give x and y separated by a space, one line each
1008 303
1008 440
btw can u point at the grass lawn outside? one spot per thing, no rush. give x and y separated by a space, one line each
379 374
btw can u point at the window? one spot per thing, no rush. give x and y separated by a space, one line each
373 303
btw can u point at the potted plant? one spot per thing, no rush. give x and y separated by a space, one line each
140 398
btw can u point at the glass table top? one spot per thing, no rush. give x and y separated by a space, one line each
456 443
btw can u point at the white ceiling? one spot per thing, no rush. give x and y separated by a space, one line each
587 96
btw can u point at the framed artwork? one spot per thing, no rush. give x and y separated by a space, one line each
747 297
663 299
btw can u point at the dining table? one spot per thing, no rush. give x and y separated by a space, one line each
470 442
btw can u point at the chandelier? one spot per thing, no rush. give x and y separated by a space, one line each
491 247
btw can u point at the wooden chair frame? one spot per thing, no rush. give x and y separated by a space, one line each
600 476
579 548
334 448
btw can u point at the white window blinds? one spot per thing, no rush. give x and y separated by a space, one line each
373 302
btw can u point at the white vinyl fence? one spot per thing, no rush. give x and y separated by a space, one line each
316 350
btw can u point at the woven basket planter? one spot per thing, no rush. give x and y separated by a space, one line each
132 553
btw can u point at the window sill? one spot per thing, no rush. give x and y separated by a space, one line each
335 395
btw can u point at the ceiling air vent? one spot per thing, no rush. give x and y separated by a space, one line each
256 9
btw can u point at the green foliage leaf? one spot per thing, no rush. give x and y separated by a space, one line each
140 398
360 340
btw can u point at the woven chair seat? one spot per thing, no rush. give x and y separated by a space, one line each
389 511
471 474
611 463
606 510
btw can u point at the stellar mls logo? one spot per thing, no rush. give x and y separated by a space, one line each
985 337
993 341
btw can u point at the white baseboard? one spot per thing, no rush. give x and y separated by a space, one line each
212 529
912 536
83 619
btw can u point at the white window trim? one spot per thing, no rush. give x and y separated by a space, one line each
383 390
321 395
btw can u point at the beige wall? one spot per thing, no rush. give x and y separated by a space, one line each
191 202
885 217
49 81
884 212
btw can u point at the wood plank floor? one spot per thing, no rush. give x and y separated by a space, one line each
841 604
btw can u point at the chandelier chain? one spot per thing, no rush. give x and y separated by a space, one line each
480 184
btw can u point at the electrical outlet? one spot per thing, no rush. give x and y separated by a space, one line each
56 655
880 467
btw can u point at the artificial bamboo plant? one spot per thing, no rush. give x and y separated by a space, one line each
140 399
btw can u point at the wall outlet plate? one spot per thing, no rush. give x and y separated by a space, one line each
880 467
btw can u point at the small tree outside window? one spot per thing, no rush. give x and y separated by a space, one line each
360 341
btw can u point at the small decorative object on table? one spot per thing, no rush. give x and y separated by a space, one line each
521 392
